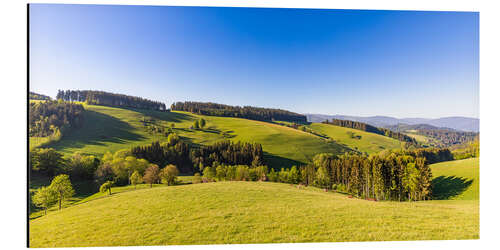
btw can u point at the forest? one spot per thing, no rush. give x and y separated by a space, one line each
109 99
248 112
393 175
191 159
50 117
369 128
36 96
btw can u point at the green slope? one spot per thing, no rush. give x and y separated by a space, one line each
248 212
112 129
457 180
369 142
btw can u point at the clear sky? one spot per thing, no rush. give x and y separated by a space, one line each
351 62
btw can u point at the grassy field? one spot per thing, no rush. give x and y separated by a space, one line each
37 141
257 212
112 129
369 142
457 180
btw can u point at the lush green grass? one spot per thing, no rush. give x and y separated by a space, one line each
87 190
248 212
260 212
369 142
112 129
37 141
458 180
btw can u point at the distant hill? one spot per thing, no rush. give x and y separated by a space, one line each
456 122
36 96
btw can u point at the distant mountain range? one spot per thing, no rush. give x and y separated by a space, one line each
455 122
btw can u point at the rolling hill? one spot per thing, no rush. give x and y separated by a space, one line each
368 142
112 129
456 180
262 212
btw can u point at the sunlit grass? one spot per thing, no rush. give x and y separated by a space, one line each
368 143
248 212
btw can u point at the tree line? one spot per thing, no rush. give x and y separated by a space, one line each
94 97
396 176
47 118
190 159
248 112
36 96
372 129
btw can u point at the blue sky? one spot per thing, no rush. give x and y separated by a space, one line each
351 62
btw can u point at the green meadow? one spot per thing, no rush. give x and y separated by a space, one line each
368 142
113 129
260 212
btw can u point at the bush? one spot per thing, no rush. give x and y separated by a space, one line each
197 178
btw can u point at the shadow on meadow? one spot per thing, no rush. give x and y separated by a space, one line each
99 129
445 187
278 162
166 116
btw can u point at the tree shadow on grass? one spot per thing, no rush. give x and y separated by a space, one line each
167 116
278 162
99 129
445 187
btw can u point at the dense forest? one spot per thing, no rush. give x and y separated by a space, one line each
36 96
109 99
189 159
393 175
248 112
372 129
47 118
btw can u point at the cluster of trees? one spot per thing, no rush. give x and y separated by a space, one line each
52 117
109 99
152 127
200 123
190 159
49 162
174 151
431 155
372 129
36 96
394 176
381 177
228 153
234 173
119 167
248 112
59 190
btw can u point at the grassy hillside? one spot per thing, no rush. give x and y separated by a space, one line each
112 129
248 212
369 142
457 180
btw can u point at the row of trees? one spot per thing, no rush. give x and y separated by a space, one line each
50 117
49 162
396 176
58 191
248 112
190 159
372 129
36 96
109 99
